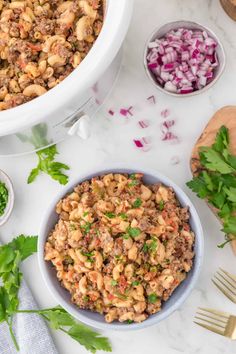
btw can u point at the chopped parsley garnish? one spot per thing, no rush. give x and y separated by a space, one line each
133 183
110 215
145 248
123 216
161 205
114 282
152 298
129 321
164 242
167 261
133 231
217 181
152 246
153 269
126 236
132 176
3 197
86 298
137 203
135 283
120 296
85 213
86 227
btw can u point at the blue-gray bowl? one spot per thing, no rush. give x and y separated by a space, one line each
96 320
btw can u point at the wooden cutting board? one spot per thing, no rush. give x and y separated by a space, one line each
225 116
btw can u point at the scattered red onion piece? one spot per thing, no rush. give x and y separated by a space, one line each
126 111
151 99
111 112
169 136
165 113
143 123
143 143
165 126
183 61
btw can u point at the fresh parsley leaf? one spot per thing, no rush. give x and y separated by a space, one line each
90 339
145 248
86 227
123 216
26 245
110 215
47 165
137 203
135 283
113 282
217 181
133 231
161 205
133 183
152 298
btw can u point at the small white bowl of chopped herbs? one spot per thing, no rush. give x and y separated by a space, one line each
6 197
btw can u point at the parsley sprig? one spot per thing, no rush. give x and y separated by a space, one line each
217 181
48 165
11 256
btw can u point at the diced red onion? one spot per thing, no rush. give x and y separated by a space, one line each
125 112
183 60
165 113
143 143
151 99
143 123
111 112
169 136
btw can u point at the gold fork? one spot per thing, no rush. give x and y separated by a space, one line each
226 283
216 321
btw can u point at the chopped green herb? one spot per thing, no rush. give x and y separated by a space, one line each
120 296
86 227
145 248
3 198
114 282
153 245
126 236
133 231
167 261
123 216
46 164
85 213
129 321
161 205
86 298
110 215
132 176
135 283
137 203
217 181
152 298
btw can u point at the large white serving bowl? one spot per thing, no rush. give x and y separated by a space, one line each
96 320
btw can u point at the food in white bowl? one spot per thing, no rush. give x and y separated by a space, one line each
41 43
121 247
183 58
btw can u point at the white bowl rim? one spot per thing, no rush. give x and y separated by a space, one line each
194 93
118 168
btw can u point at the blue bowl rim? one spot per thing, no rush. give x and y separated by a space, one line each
153 319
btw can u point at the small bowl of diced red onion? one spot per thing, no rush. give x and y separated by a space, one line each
184 58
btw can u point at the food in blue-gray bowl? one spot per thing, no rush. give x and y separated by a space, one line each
122 249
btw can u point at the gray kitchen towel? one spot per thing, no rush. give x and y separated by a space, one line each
31 331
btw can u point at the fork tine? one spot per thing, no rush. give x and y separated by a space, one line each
231 277
215 312
229 296
211 322
225 285
223 321
210 328
226 293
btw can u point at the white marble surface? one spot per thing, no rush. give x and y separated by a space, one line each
112 141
